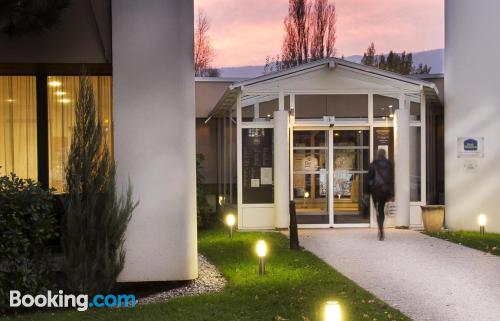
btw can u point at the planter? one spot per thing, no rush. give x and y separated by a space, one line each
433 217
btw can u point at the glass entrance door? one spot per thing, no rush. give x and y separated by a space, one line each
330 168
311 176
351 159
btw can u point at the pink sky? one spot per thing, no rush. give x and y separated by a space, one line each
244 32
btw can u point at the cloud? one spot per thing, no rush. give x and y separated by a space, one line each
245 32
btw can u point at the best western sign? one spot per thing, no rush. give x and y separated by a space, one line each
470 147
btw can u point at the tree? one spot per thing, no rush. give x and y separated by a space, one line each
394 62
369 57
310 34
22 17
95 217
203 51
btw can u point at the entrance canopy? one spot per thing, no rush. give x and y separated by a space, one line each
326 76
307 134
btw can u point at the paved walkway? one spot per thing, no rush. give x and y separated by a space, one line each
426 278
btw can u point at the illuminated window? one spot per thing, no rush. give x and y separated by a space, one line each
62 92
18 131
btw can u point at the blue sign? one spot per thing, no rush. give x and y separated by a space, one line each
471 145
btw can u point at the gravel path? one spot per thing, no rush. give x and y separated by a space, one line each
424 277
209 280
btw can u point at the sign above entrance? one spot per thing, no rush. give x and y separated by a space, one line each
470 147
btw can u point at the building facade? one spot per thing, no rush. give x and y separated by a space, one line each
472 104
145 99
308 134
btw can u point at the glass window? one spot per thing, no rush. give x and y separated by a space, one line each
414 111
415 164
257 166
341 106
310 138
18 137
384 107
62 95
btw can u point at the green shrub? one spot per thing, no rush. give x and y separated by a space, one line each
27 222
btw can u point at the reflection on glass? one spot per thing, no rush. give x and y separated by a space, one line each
350 163
62 92
18 139
310 138
311 197
384 107
415 163
309 160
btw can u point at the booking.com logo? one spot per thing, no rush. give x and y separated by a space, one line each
61 300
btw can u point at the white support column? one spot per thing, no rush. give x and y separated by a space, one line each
281 168
155 145
239 157
402 163
256 111
281 100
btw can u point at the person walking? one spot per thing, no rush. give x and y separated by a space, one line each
381 186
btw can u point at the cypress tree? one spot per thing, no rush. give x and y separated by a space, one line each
96 218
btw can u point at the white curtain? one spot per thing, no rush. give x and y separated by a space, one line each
18 135
62 96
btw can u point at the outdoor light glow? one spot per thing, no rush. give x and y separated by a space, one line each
261 248
10 100
230 220
221 200
64 100
391 116
390 106
54 83
332 311
482 220
60 93
306 194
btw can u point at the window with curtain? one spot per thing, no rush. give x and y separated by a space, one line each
18 131
62 92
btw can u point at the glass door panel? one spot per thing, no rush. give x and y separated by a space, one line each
351 159
310 176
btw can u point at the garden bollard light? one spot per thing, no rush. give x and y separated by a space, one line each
230 220
482 223
261 253
332 311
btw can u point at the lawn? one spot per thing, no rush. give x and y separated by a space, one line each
295 287
489 242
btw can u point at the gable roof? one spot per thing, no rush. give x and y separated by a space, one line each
231 94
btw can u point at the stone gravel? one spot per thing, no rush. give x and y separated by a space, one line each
209 280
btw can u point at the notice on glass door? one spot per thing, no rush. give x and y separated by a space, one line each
266 175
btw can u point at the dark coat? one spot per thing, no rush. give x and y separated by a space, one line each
381 179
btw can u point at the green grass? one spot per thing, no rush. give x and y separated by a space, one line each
295 287
489 242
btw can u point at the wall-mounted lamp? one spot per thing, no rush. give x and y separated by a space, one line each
261 253
268 117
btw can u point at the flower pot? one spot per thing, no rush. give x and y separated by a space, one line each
433 217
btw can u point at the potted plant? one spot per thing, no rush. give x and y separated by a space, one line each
433 217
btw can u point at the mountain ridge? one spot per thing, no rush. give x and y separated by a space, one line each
433 58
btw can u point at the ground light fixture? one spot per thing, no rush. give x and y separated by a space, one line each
332 311
306 196
482 223
230 220
261 253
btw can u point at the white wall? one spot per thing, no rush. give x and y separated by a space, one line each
154 117
472 108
